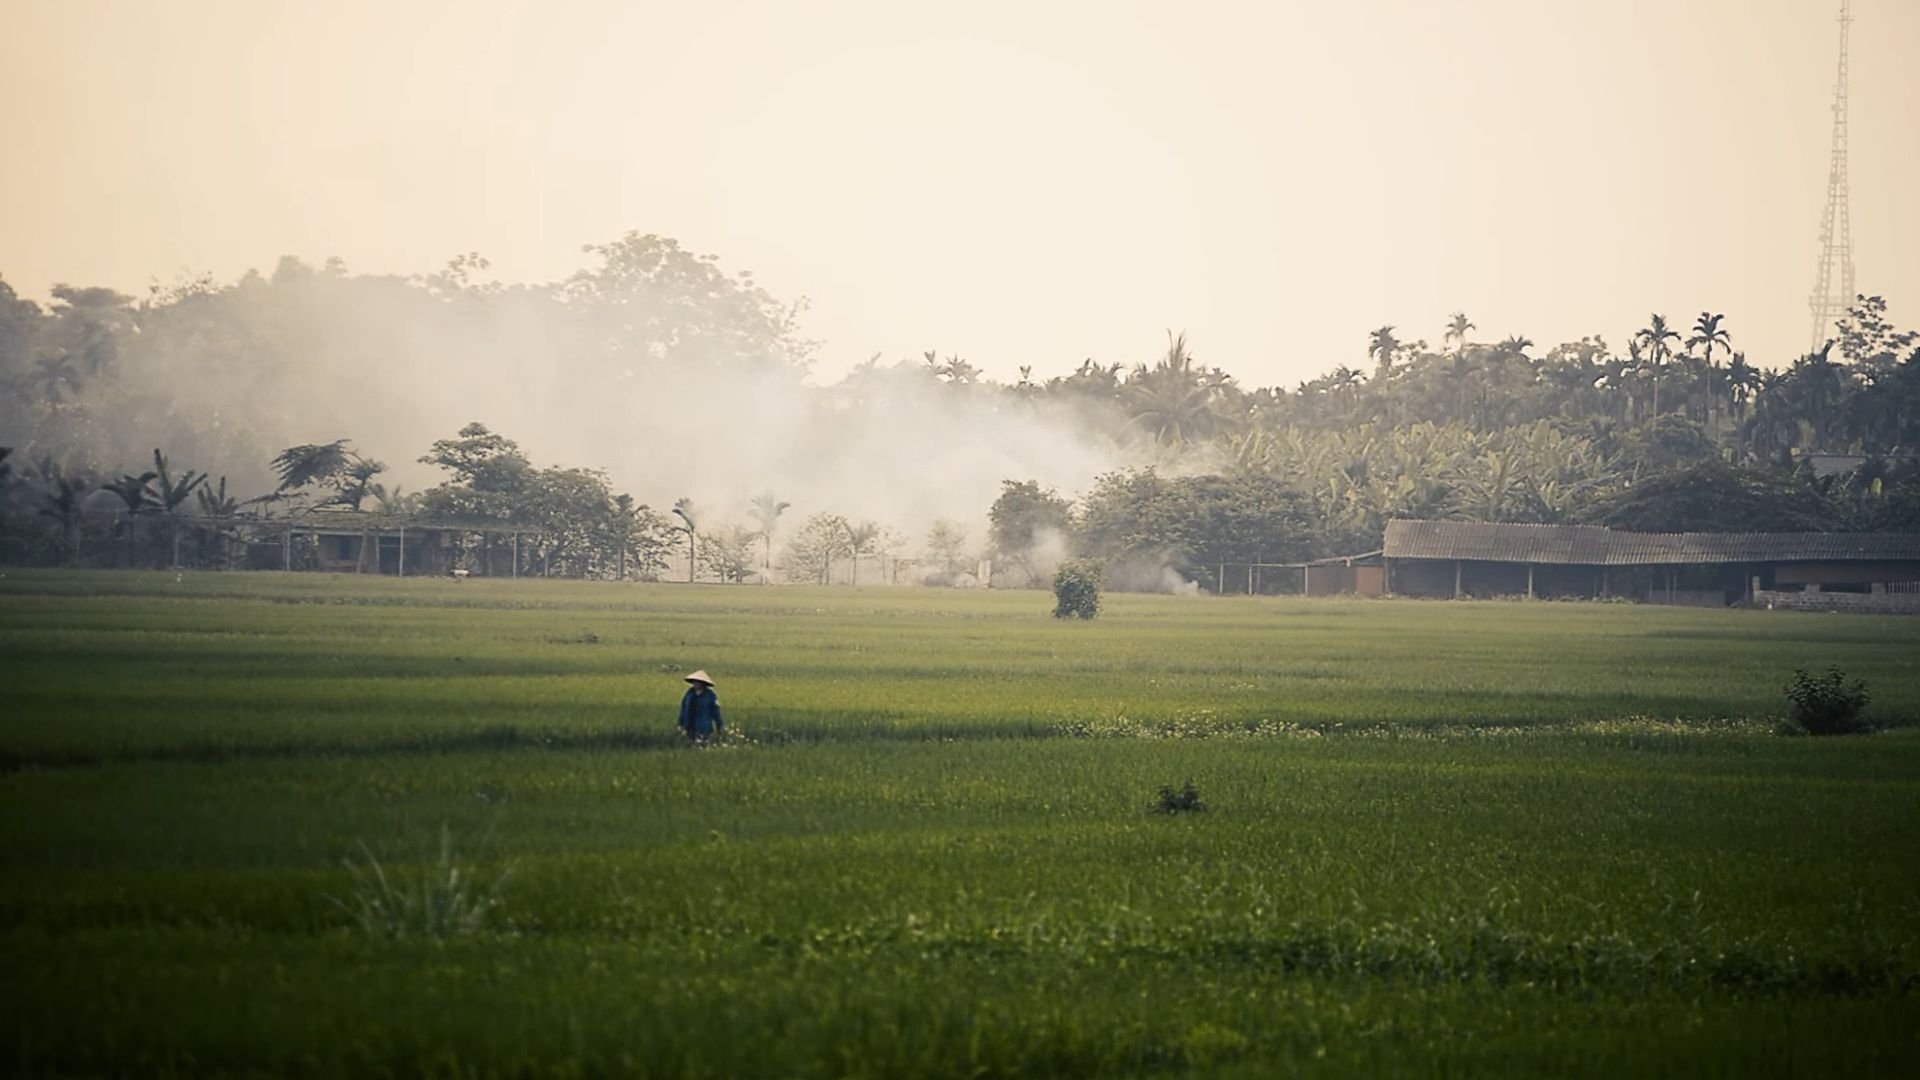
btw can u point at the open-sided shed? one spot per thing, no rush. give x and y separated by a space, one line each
1466 558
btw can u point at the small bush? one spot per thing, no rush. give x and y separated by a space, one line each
1184 801
1076 589
439 900
1827 704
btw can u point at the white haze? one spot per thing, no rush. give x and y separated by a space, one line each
222 381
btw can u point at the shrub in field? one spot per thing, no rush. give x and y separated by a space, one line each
1076 589
1827 704
1184 801
440 900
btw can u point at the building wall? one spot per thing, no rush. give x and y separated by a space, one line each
1882 603
1845 573
1342 580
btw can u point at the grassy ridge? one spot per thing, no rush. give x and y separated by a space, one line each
1597 882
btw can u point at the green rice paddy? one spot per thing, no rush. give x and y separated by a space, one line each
1446 838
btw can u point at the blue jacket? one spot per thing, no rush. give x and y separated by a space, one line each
700 712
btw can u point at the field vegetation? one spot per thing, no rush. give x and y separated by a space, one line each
315 823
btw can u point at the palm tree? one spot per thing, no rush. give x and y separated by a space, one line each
133 491
1654 340
1515 347
311 463
1457 328
217 504
1173 399
63 496
1742 380
860 541
1382 346
766 509
683 509
1344 384
358 483
168 493
1707 334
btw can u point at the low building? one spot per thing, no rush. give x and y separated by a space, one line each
1464 558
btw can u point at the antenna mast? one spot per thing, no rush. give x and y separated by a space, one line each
1836 229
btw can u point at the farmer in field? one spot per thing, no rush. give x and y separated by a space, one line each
700 710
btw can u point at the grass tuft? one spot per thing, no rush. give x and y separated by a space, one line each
440 900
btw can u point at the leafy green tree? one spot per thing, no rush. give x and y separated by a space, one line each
728 552
489 476
651 302
1024 514
1869 341
1076 589
1712 496
946 548
576 521
331 474
810 553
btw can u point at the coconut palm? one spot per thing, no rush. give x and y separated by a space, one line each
1173 400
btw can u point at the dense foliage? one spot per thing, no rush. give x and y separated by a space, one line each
1679 432
1827 704
1076 589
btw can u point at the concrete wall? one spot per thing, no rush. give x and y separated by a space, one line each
1882 603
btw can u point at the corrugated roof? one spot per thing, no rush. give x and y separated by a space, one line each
1596 545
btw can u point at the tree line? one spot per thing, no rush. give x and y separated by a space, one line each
1679 431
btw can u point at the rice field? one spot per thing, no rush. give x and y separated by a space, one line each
319 825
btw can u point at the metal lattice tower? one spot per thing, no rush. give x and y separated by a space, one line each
1836 228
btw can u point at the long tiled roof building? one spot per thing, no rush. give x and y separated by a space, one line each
1465 558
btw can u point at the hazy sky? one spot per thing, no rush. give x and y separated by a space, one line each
1025 183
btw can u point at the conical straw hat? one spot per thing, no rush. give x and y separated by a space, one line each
701 676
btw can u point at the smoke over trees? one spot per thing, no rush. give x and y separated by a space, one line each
654 374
